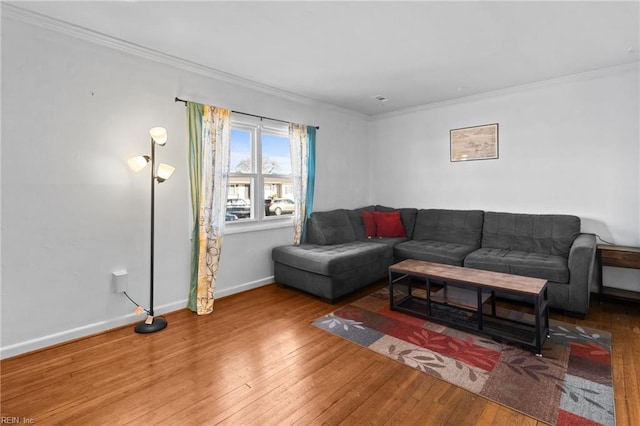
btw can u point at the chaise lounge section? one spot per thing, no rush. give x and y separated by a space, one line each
337 259
342 253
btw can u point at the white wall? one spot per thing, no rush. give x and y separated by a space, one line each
72 212
570 146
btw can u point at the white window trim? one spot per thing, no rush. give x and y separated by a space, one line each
255 226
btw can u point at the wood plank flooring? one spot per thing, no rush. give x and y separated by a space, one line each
257 361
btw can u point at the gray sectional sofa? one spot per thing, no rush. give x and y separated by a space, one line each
338 257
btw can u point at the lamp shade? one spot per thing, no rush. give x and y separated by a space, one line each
164 172
159 135
138 163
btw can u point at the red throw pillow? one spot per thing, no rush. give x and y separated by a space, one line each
389 225
370 228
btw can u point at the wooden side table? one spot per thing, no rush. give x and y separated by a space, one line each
620 257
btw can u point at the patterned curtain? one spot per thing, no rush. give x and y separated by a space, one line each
302 141
209 145
299 155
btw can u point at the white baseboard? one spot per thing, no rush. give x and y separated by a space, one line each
97 327
244 287
86 330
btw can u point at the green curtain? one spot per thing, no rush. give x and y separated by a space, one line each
194 120
209 144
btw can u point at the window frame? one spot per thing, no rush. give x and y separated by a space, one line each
258 219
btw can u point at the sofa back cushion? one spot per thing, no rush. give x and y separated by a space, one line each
450 226
545 234
331 227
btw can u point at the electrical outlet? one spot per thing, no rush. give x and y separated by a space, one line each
120 281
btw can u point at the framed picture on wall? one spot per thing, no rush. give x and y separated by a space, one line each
474 143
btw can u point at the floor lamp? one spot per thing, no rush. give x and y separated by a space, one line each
158 137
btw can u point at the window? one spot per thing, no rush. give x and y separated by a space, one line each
265 192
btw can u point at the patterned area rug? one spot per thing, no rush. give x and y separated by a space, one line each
571 384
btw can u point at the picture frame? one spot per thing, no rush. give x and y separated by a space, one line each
474 143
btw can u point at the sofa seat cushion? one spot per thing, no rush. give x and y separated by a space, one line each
388 241
333 259
433 251
537 265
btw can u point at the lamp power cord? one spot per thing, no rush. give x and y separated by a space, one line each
140 309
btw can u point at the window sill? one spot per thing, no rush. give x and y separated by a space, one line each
253 225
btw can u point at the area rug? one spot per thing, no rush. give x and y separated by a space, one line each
571 384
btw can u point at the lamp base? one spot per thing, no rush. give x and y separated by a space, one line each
156 325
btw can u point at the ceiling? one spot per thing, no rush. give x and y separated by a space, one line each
346 53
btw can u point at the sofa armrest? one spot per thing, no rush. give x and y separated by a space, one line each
581 264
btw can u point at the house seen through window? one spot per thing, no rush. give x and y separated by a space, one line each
260 185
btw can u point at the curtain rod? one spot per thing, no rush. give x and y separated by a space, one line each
246 113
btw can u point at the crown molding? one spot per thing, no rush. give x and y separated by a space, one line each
19 14
589 75
10 10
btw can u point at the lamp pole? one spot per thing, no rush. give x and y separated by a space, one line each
153 218
152 324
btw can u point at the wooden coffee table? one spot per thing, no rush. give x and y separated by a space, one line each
462 295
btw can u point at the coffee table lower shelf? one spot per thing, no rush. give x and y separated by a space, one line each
463 304
501 329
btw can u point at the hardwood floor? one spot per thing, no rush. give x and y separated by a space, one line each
257 361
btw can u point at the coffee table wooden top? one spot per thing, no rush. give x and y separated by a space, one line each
474 277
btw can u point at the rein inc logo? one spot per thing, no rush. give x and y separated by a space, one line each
6 420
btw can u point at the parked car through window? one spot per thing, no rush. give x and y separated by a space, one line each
238 207
280 206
